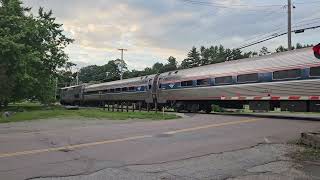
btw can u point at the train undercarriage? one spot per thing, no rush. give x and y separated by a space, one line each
208 106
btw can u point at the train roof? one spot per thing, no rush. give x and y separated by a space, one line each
285 60
68 87
121 83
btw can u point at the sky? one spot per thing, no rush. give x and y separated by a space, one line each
153 30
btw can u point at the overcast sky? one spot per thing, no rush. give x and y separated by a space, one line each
153 30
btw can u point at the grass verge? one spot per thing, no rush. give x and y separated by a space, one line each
305 153
35 112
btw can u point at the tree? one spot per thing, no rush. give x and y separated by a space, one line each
281 49
299 46
205 55
5 86
171 64
104 73
264 51
158 68
32 50
193 59
122 66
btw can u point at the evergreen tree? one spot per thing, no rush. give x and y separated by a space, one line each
193 59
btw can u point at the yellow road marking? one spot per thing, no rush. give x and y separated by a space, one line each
210 126
70 147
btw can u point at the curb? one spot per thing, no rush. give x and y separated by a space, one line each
297 117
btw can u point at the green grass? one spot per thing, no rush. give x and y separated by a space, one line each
306 153
27 112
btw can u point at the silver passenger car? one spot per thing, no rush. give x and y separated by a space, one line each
290 76
288 80
128 90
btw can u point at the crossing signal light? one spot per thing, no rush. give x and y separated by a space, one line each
316 50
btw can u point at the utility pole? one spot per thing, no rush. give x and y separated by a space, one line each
289 25
56 89
77 77
121 65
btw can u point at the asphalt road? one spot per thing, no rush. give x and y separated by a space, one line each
197 146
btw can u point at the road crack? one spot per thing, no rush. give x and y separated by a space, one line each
125 167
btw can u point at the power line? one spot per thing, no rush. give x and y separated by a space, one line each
266 8
307 20
304 3
278 35
230 6
277 31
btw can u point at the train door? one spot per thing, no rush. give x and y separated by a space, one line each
155 91
152 89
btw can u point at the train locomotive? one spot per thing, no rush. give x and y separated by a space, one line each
288 80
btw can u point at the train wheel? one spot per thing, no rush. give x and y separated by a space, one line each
178 107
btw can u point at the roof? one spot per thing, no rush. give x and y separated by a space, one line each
121 83
296 58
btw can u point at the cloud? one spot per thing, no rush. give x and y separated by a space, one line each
154 30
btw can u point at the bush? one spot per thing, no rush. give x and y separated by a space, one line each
217 108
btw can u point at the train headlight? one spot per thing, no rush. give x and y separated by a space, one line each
316 50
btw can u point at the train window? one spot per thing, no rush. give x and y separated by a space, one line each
76 96
131 88
287 74
223 80
244 78
118 89
124 89
111 90
92 92
202 82
186 83
315 71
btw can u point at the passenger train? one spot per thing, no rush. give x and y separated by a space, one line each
288 80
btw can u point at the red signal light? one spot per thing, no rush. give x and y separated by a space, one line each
316 50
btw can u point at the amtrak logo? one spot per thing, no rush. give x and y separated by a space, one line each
138 88
171 85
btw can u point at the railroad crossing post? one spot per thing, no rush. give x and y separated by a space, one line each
121 106
133 106
156 106
127 106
